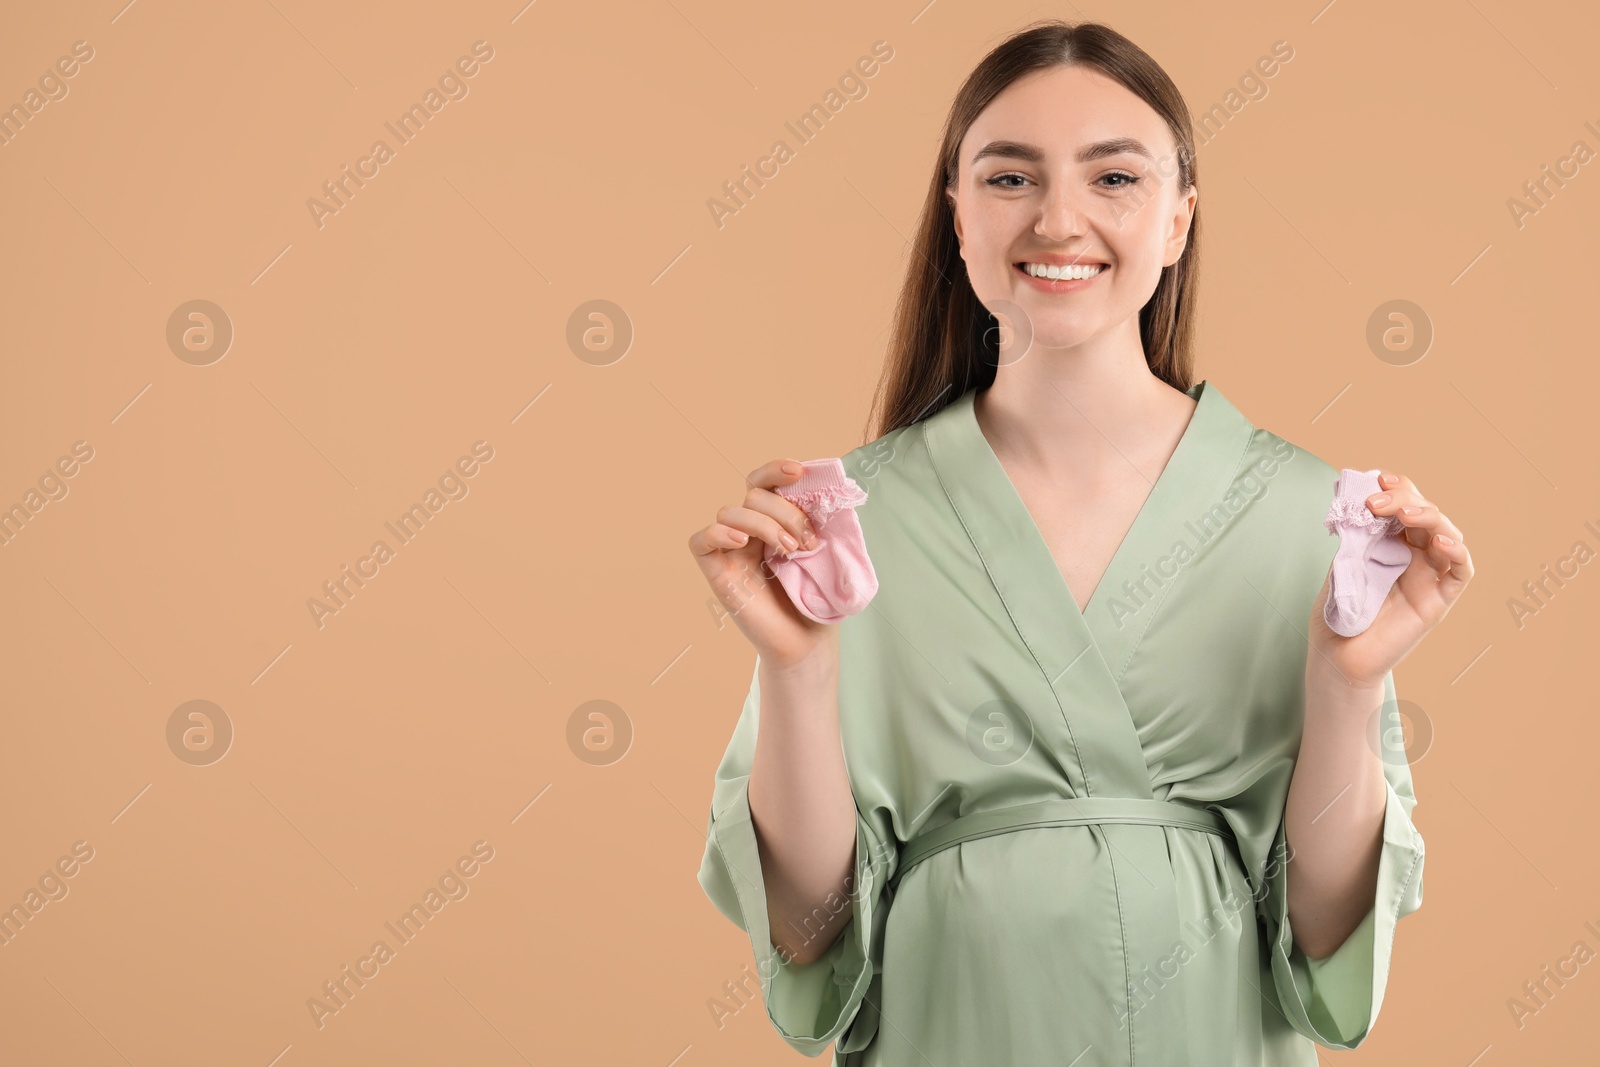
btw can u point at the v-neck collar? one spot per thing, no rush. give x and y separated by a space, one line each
1177 510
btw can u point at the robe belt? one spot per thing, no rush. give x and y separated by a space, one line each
1060 811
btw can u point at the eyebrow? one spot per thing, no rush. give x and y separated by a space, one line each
1086 154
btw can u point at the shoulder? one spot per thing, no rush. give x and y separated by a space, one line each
905 501
891 468
1282 491
1274 465
1272 469
1276 499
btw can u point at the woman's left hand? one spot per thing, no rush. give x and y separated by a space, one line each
1439 571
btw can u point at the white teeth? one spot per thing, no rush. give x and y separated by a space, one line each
1074 272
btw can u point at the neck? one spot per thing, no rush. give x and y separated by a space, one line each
1055 406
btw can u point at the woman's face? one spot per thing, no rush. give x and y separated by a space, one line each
1074 169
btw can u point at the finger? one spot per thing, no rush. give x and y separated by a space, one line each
758 524
1459 569
772 474
1434 550
1423 523
1389 501
1394 481
785 512
1396 502
718 537
1399 489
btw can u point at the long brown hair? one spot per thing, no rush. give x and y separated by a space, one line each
943 341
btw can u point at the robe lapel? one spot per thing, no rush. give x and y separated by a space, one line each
1083 654
1175 523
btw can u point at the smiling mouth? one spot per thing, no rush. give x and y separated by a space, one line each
1066 272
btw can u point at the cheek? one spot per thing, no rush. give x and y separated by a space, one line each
992 232
1137 232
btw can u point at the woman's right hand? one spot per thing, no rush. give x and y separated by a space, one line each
730 553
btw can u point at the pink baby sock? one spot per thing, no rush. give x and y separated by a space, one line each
1372 554
834 579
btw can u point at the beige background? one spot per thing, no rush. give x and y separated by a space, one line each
434 709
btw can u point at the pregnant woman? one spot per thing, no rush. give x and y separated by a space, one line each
1090 779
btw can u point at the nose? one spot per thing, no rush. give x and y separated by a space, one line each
1059 216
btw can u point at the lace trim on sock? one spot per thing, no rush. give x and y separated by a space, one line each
1355 513
818 504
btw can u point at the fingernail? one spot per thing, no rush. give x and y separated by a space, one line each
1380 500
789 542
792 468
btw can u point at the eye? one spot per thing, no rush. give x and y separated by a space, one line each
1128 179
999 180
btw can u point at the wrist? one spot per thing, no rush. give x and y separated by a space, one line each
818 664
1327 684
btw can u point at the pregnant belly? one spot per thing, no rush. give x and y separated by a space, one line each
1035 946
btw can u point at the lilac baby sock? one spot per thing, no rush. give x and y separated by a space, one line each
1372 554
834 579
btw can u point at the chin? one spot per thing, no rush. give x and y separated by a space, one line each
1063 331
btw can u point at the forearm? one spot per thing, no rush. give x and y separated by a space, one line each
1335 811
802 807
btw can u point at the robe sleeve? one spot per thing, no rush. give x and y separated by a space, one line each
1335 1000
826 1000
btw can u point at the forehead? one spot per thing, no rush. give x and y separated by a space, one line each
1063 108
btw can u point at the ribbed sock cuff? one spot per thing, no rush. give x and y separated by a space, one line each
819 474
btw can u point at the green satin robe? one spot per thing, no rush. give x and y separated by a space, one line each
1144 922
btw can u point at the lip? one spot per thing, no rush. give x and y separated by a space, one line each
1060 285
1056 259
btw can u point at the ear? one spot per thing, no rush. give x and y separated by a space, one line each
1178 239
954 213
